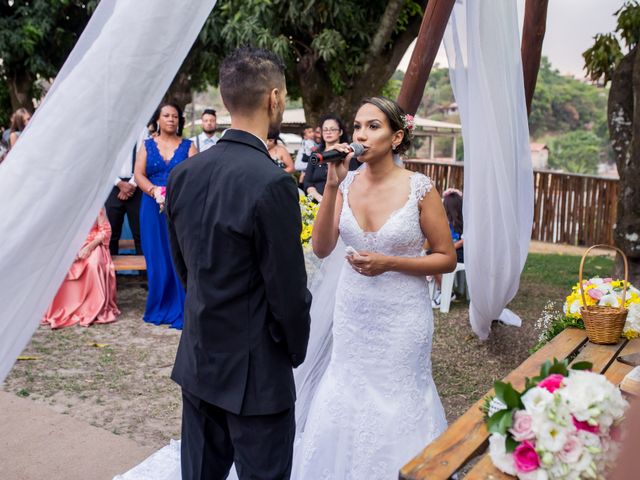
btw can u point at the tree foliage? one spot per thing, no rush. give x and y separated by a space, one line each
35 39
576 152
336 52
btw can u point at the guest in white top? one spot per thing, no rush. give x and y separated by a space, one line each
207 138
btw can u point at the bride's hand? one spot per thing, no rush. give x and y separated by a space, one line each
368 263
338 170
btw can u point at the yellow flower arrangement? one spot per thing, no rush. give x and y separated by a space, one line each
606 292
308 211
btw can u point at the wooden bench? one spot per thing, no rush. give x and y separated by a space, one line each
467 437
128 262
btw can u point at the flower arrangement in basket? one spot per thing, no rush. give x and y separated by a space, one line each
603 304
308 210
564 425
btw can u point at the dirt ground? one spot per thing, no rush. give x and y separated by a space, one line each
116 376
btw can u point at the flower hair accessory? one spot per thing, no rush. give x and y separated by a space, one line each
451 191
408 123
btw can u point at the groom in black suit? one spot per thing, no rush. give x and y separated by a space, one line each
234 226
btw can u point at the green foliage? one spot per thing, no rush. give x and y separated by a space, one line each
37 36
575 152
563 104
438 93
562 270
602 58
330 36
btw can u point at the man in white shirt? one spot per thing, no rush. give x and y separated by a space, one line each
124 199
207 138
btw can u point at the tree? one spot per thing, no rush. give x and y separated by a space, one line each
336 52
576 152
618 62
35 39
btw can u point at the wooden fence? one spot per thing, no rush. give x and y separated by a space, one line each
569 208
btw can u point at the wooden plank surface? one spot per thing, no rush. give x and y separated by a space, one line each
468 435
129 262
600 355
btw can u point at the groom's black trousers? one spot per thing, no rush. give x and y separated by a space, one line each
213 439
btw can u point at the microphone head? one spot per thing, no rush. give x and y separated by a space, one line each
357 148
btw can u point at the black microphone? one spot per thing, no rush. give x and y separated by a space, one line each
335 155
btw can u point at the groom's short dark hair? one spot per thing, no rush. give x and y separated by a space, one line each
246 75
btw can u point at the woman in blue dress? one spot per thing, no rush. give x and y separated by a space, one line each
161 153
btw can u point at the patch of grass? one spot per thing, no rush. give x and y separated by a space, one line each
24 393
563 270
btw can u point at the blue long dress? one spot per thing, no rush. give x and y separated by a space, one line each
165 300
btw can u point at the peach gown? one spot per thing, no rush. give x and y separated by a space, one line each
88 293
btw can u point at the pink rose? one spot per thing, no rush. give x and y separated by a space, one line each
571 450
521 428
607 280
595 294
552 382
585 426
526 457
163 191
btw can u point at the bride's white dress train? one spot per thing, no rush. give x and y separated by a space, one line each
376 405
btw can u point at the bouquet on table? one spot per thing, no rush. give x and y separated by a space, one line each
606 292
564 425
308 210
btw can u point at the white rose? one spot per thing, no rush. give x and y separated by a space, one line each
571 450
609 300
502 460
536 401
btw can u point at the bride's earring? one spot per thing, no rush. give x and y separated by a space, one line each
393 147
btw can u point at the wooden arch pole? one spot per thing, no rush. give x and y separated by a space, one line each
535 23
434 23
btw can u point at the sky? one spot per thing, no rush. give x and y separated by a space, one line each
571 26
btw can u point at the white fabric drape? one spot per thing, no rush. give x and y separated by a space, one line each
58 175
483 49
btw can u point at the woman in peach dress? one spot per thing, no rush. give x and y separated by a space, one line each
88 293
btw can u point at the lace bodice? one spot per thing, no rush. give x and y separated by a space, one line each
400 235
158 169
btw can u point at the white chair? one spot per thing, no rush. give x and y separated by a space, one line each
447 287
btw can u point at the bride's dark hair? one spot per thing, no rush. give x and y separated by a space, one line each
396 117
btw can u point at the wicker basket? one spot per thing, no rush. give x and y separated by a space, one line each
604 324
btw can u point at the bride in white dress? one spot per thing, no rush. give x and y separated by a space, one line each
376 405
366 398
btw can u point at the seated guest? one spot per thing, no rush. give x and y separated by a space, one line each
452 201
333 132
88 293
280 154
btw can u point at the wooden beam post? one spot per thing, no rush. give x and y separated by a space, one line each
535 23
434 23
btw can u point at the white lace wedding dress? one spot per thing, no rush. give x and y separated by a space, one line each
376 405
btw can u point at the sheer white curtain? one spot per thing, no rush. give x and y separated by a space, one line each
59 174
483 47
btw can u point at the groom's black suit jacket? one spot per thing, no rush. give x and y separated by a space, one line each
234 227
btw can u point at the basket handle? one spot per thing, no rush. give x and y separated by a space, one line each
626 272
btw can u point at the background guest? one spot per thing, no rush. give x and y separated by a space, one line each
19 121
207 138
315 178
278 152
161 153
306 147
124 199
452 201
88 293
317 135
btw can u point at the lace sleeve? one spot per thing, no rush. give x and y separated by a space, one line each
421 185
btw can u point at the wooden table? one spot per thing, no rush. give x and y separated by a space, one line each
467 437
